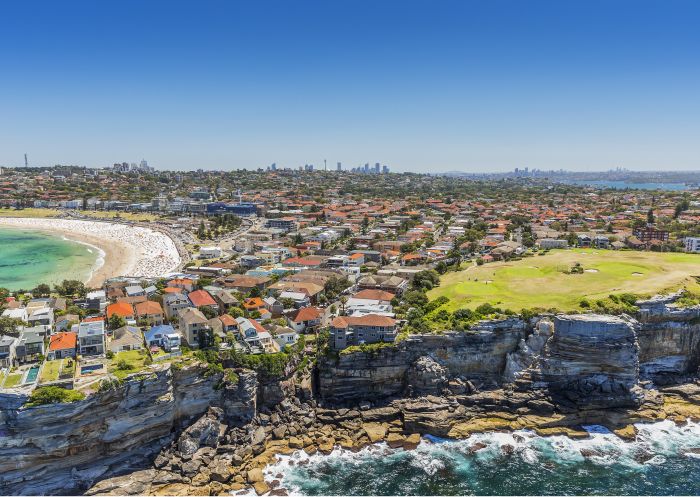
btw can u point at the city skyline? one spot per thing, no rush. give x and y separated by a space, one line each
459 86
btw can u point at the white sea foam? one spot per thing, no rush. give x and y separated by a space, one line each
655 445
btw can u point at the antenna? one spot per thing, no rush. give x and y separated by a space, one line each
325 166
26 162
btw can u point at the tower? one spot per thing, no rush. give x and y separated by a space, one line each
26 162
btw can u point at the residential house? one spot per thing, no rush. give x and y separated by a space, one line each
388 283
191 323
122 309
305 320
552 243
43 318
174 302
7 351
274 306
151 312
29 346
182 283
135 291
96 301
163 336
372 328
91 338
243 283
126 338
62 345
201 298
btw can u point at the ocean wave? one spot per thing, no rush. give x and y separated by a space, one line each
663 459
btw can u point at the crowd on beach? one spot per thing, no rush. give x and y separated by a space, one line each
138 251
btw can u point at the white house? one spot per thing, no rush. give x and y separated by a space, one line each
692 244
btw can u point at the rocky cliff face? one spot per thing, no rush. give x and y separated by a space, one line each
64 447
589 360
479 356
669 339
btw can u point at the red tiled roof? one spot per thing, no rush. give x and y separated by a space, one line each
227 320
122 309
307 314
374 295
64 340
366 320
148 307
200 298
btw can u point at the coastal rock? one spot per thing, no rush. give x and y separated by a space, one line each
426 377
255 475
136 483
204 432
261 487
411 442
375 431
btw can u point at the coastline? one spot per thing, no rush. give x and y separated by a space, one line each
123 250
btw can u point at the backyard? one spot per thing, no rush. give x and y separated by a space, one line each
127 362
561 278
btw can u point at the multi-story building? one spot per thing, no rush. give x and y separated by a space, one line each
649 233
91 337
357 330
692 244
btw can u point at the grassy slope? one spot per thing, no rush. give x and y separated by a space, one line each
110 215
539 281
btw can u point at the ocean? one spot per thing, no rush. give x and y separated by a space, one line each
663 460
621 185
29 257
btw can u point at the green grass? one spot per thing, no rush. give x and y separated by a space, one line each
13 380
50 371
135 359
541 281
28 212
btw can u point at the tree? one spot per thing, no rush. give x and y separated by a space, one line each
70 288
255 292
201 231
42 289
53 395
116 321
650 216
208 312
9 326
235 312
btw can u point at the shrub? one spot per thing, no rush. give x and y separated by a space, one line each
53 395
123 365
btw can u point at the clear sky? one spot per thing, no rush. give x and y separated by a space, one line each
419 85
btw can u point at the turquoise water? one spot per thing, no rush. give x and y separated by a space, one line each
32 374
28 258
663 460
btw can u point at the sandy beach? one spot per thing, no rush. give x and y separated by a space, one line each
124 250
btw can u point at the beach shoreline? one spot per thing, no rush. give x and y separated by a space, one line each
123 250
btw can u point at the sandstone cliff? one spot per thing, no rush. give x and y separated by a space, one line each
65 447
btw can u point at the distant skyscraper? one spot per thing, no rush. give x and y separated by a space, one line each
385 169
376 167
339 167
273 166
366 167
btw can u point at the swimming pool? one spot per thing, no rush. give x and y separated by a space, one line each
91 368
32 374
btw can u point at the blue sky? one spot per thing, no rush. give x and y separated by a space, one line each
419 85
